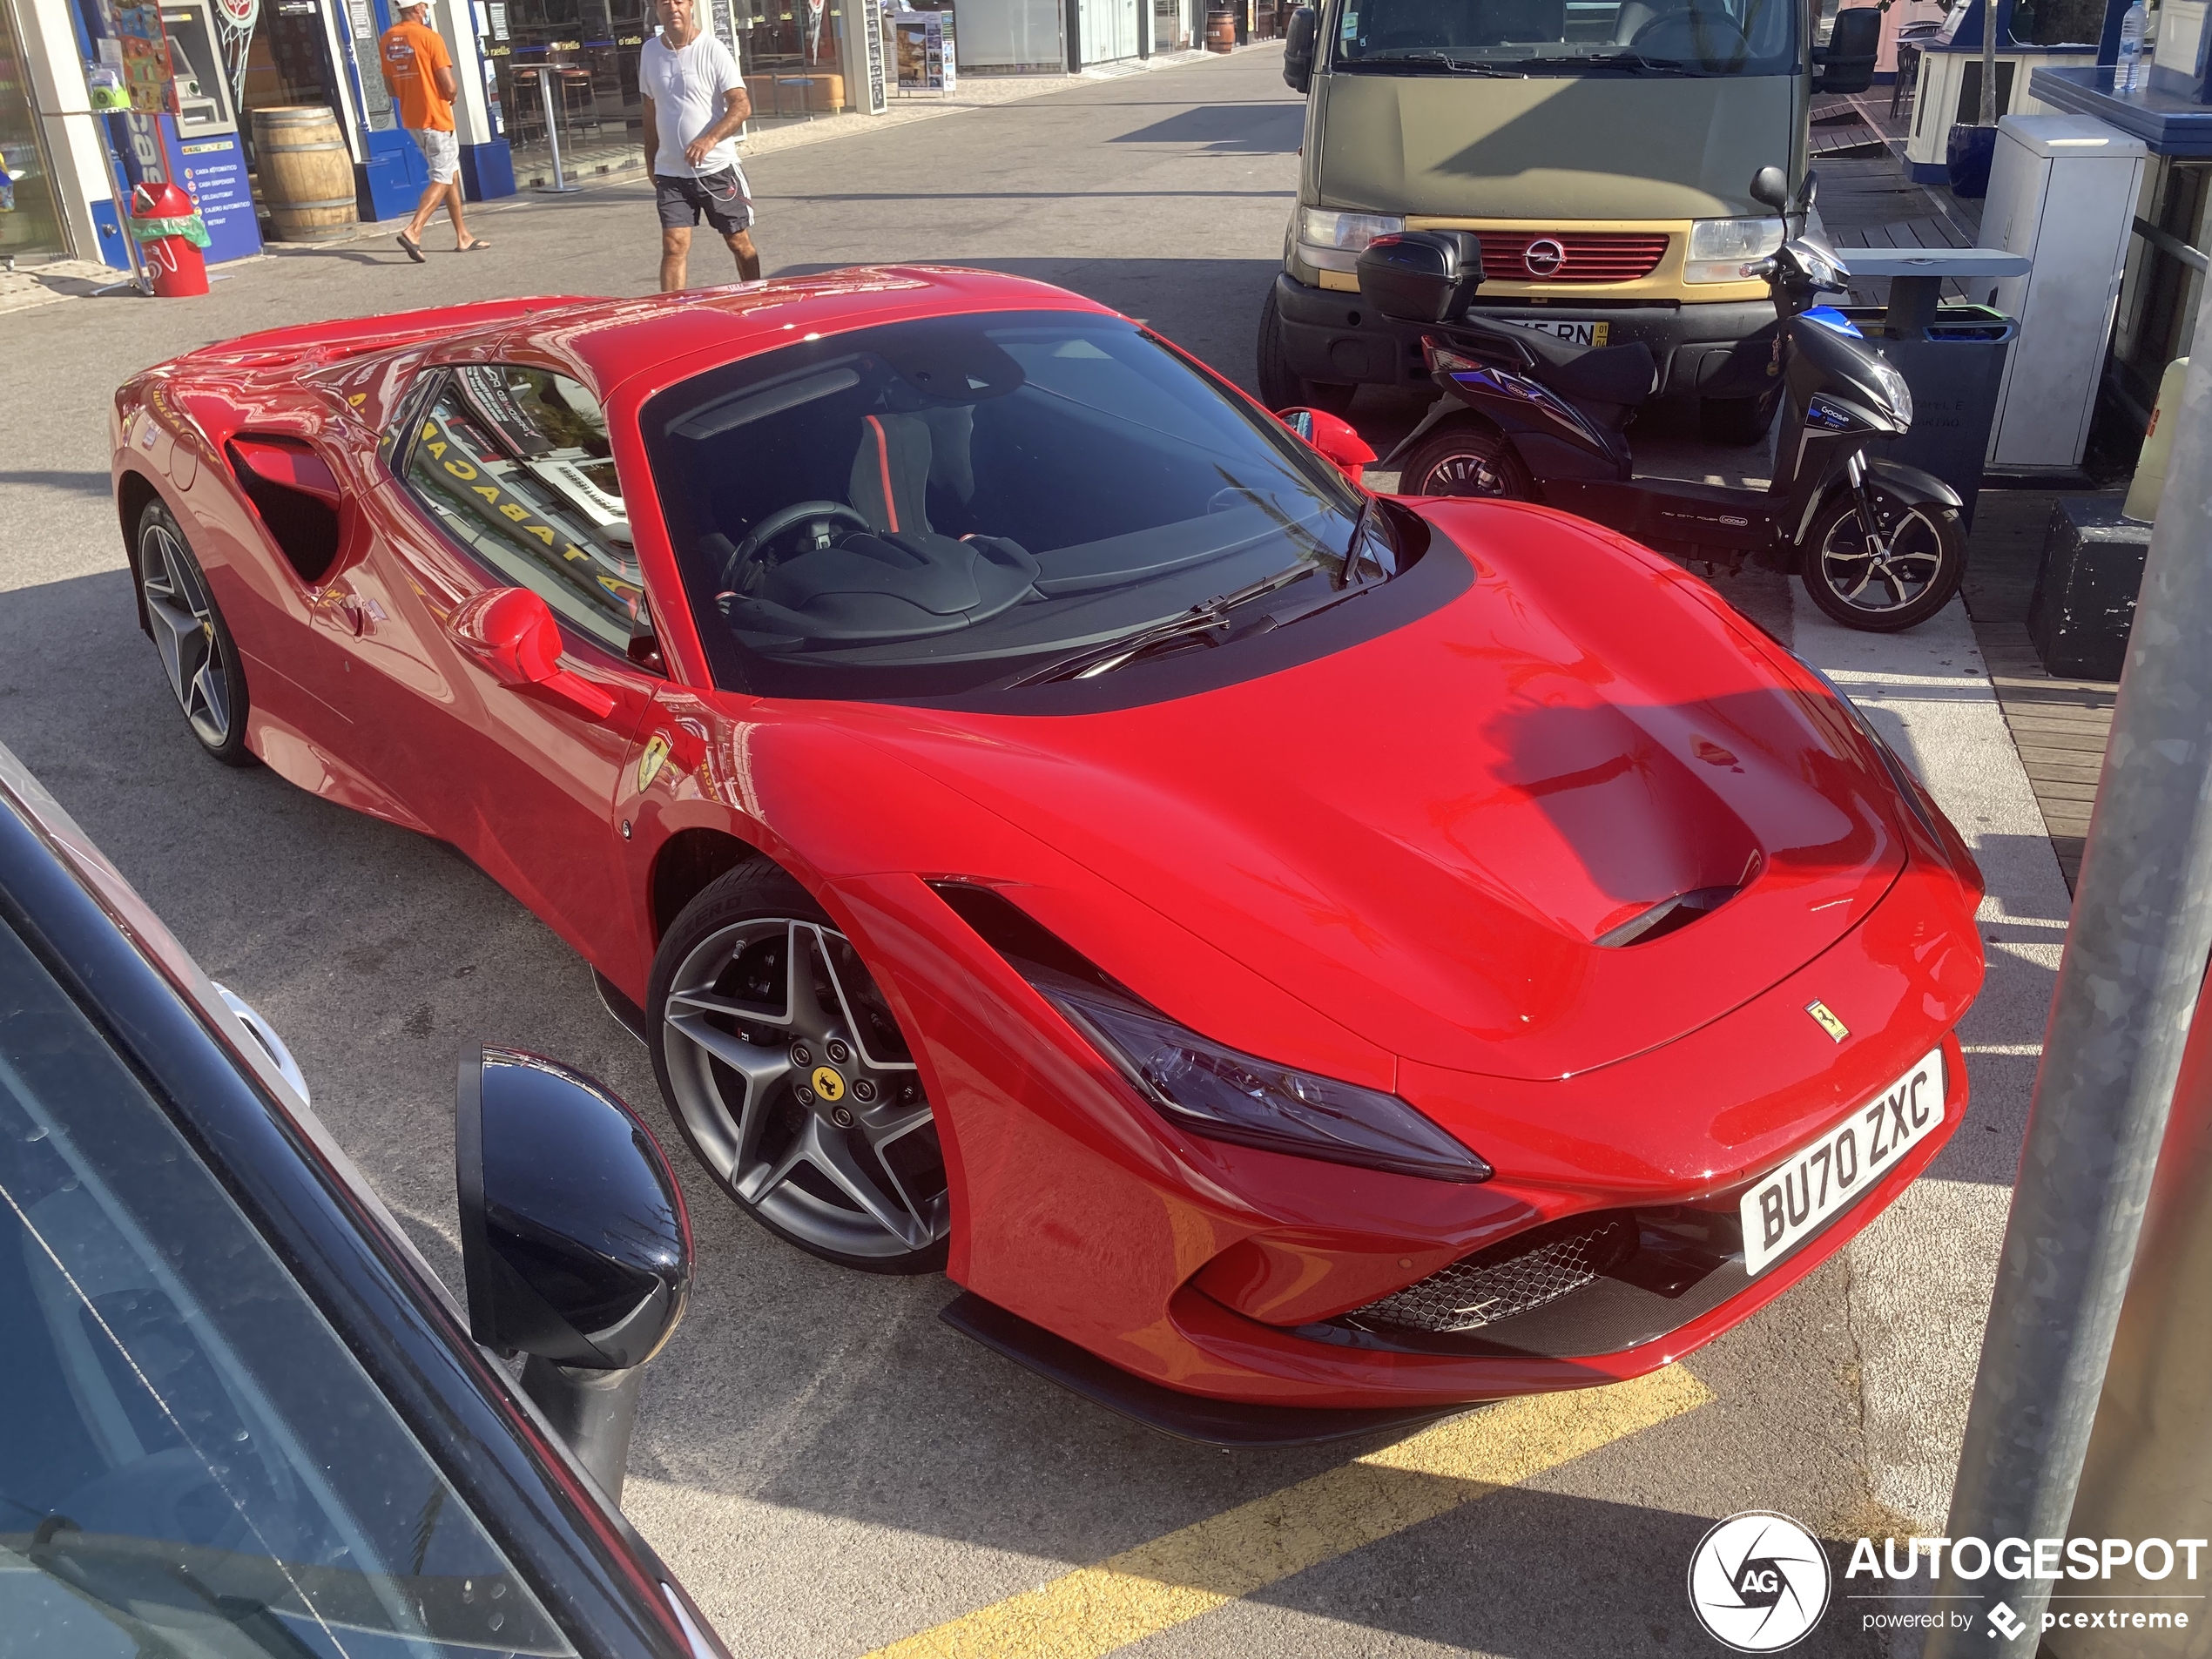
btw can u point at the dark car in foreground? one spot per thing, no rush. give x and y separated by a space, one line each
242 1415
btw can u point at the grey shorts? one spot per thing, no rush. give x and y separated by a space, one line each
720 196
441 150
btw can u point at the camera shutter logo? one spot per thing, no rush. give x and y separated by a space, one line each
1759 1582
1543 257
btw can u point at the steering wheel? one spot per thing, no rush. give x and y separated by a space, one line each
1690 33
782 520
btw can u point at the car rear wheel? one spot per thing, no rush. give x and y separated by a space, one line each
788 1073
1465 460
1279 388
1887 587
197 653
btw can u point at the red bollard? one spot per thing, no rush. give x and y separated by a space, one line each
173 262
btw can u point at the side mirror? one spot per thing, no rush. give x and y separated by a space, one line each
1770 188
1333 437
575 1243
1298 51
512 631
1421 276
1847 63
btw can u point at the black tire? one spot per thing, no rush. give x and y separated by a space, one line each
1464 459
197 654
1279 388
808 1206
1737 423
1926 563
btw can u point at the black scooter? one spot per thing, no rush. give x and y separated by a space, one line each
1527 417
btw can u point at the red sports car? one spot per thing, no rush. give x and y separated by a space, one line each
1281 949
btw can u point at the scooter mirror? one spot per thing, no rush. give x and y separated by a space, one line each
1770 188
574 1238
1333 437
1421 276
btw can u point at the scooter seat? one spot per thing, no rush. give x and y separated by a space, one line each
1622 374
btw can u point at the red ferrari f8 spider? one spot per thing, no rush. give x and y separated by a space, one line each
1292 955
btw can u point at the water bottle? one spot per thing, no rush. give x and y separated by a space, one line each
2128 74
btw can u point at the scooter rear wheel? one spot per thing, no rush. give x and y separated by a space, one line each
1882 594
1466 461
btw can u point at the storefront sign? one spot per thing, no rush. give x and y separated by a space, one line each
926 52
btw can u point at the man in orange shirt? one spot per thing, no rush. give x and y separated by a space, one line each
418 71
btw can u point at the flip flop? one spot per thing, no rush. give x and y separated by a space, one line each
414 248
477 246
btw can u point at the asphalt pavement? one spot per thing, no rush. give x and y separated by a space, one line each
830 1469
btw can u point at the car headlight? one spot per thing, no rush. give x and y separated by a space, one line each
1217 1092
1722 250
1334 241
1894 391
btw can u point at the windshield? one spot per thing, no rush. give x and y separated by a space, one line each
927 507
1571 38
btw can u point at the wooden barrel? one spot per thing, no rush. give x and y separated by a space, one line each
305 172
1221 32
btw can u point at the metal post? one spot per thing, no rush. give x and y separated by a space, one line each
2134 959
1989 63
560 187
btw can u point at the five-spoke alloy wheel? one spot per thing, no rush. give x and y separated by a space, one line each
197 653
1893 579
788 1073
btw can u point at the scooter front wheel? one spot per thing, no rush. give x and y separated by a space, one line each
1894 580
1465 460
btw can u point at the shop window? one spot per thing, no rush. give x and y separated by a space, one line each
514 463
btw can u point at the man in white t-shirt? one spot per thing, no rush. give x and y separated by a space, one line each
695 101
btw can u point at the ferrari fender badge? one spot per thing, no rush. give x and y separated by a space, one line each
1824 1017
649 763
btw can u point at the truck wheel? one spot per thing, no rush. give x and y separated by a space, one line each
1738 423
1926 561
1466 461
1279 387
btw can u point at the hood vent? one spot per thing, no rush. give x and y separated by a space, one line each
1668 916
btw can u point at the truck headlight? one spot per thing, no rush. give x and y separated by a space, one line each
1722 250
1332 241
1217 1093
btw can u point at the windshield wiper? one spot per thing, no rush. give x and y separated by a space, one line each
1199 619
1442 59
1614 60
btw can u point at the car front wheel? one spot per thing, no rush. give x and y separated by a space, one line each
788 1073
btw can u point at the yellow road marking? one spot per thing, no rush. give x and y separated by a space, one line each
1094 1610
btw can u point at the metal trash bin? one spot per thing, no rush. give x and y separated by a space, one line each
1951 355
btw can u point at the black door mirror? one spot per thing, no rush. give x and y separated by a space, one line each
1298 51
1421 276
1770 188
1846 64
574 1241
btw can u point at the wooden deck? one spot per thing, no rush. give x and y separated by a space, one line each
2059 727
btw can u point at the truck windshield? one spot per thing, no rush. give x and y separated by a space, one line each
1568 37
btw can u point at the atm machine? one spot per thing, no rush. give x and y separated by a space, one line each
208 161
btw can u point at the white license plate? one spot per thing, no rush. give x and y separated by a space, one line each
1575 333
1837 1169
